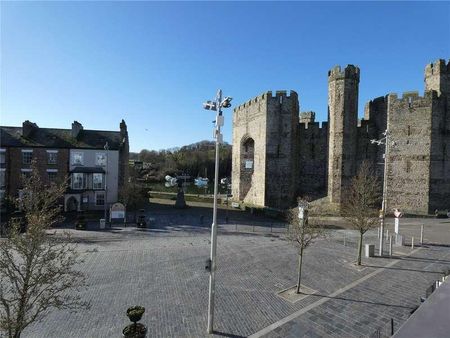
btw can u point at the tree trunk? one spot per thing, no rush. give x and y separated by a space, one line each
300 259
359 248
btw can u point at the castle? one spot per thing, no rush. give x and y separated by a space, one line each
279 154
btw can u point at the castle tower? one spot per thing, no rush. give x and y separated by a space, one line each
437 77
343 121
265 152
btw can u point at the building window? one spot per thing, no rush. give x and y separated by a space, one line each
52 175
2 178
78 181
100 198
100 159
77 158
97 181
2 157
27 156
52 156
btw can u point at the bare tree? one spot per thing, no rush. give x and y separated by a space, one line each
133 194
301 233
37 268
362 202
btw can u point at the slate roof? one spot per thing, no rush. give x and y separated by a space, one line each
59 138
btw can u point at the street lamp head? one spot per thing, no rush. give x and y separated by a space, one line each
210 105
226 103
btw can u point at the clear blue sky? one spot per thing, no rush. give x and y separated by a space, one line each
154 63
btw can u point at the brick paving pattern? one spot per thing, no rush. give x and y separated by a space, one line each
162 269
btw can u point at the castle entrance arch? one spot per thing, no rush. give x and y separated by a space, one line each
247 165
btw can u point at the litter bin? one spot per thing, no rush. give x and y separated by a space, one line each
370 250
102 223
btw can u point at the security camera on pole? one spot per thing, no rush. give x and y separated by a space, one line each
210 266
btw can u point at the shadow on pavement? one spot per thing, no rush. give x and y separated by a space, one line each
223 334
400 269
360 301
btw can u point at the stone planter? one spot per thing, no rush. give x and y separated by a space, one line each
136 330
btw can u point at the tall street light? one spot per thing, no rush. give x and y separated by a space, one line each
106 147
383 141
217 106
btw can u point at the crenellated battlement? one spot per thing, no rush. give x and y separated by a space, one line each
438 67
349 72
322 127
267 96
412 96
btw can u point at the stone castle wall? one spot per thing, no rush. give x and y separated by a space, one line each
249 148
313 158
295 156
281 149
343 121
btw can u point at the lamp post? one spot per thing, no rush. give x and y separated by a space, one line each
383 141
217 106
106 147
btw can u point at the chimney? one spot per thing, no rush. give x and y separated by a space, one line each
76 129
123 132
28 128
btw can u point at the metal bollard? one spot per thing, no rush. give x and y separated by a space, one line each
421 235
390 246
387 234
412 243
392 326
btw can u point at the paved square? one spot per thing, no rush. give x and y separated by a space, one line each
162 269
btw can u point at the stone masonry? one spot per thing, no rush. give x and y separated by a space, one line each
279 154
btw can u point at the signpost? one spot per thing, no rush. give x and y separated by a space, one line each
397 215
117 212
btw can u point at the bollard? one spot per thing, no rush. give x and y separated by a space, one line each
390 246
412 243
345 238
387 234
421 235
392 326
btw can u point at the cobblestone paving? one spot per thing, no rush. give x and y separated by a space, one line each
163 269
